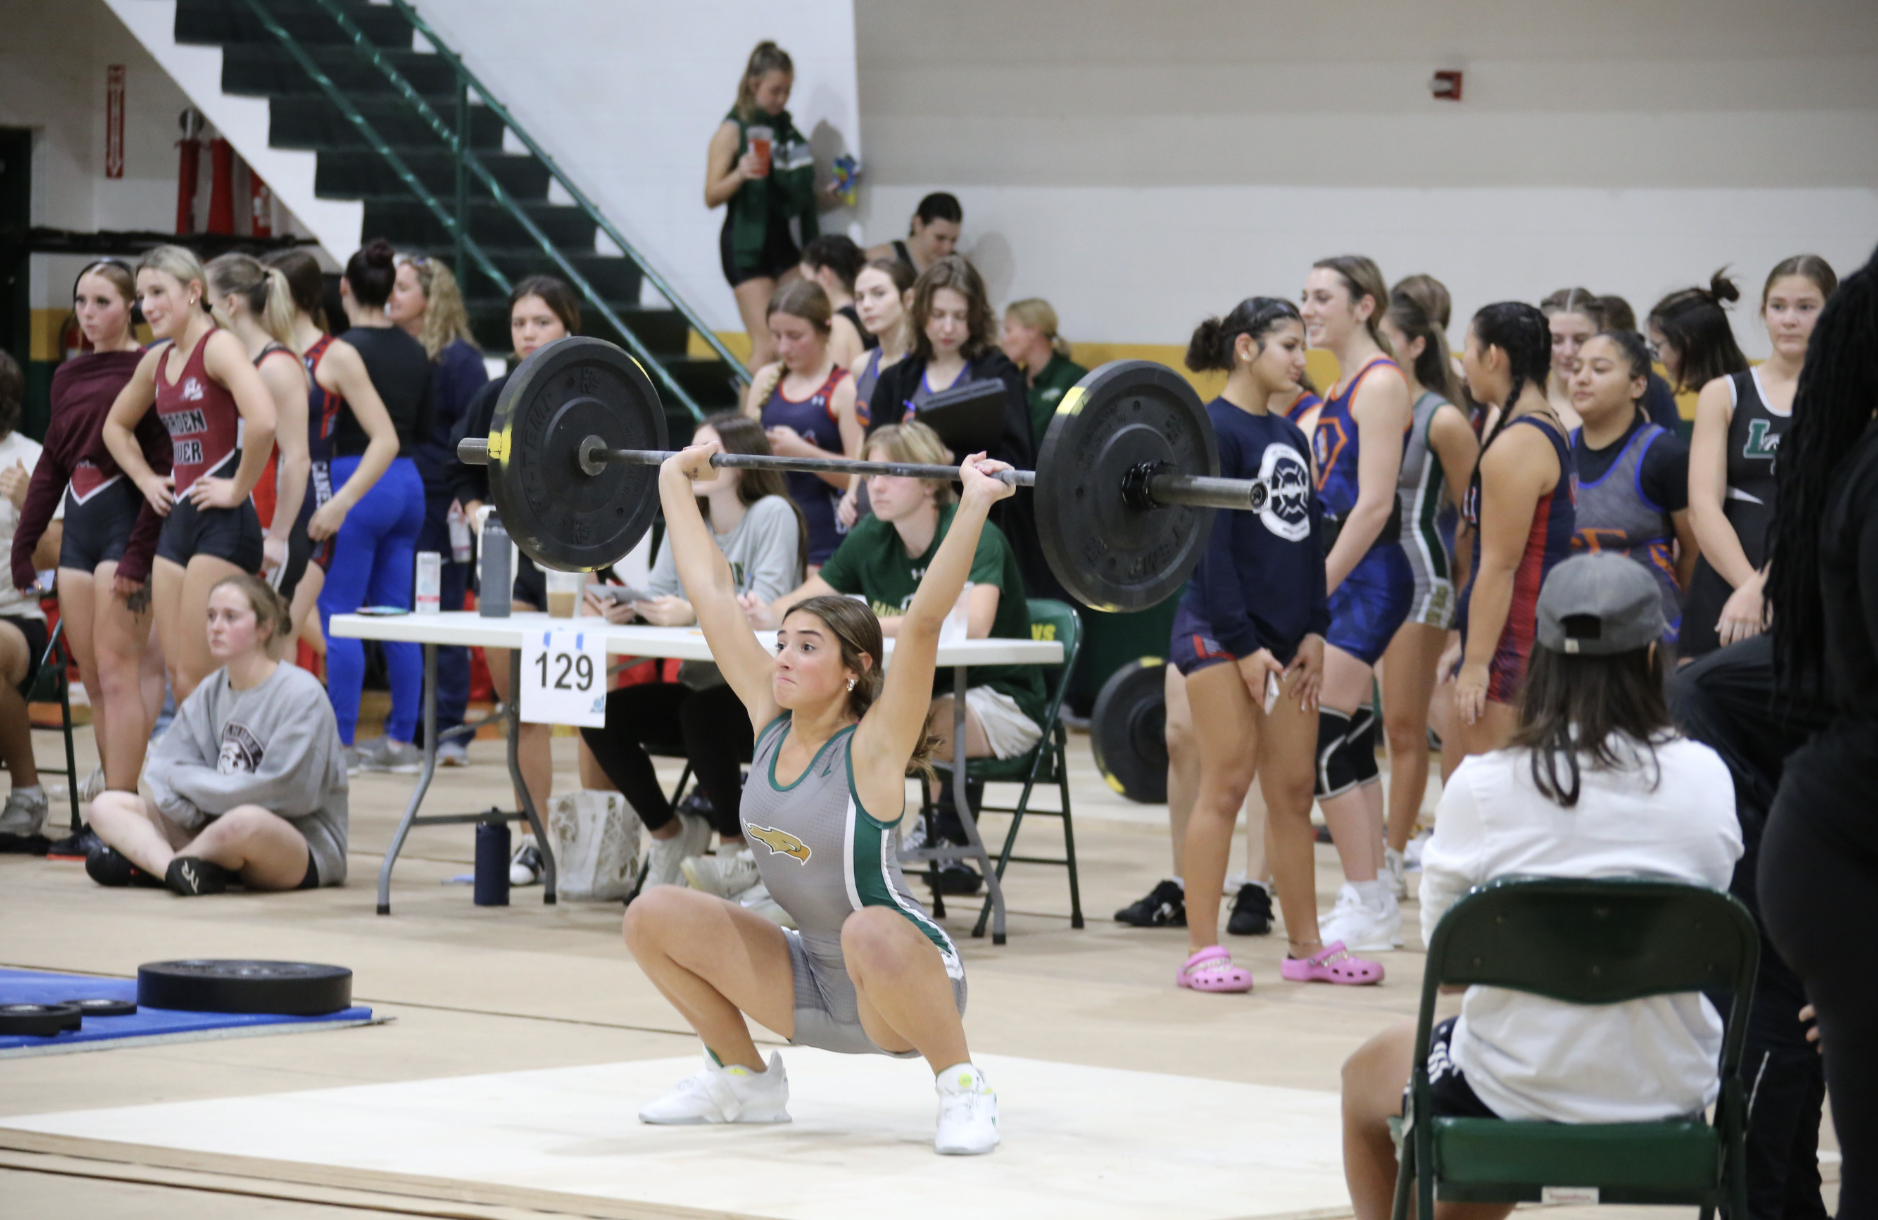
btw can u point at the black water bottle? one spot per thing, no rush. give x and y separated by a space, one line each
493 596
492 862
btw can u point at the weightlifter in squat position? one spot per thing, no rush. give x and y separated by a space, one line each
868 972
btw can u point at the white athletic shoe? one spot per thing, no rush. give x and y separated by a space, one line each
1360 926
1394 873
665 857
725 1095
25 812
968 1113
727 874
93 787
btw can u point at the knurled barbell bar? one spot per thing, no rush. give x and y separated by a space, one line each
1129 471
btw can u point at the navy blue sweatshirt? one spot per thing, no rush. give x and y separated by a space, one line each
454 379
1260 583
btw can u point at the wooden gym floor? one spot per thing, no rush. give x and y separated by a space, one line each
524 1040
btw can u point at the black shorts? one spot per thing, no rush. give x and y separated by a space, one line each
301 549
312 879
98 529
780 253
34 629
233 534
1453 1097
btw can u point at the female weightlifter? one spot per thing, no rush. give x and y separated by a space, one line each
220 417
865 971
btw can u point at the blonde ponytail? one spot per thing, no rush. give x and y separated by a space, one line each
277 314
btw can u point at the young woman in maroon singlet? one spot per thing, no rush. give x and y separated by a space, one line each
220 417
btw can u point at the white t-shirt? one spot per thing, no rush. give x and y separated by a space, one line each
16 447
1528 1057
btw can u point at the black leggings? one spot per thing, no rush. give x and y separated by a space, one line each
710 727
1819 896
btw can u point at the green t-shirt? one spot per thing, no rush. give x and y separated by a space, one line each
872 561
1056 379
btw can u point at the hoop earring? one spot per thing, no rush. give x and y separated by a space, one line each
850 683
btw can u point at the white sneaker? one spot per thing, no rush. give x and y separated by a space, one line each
525 866
1394 873
725 1095
665 858
968 1113
93 787
757 901
453 753
727 874
25 813
1412 854
1360 926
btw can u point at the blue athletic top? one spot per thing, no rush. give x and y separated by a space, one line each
813 418
1260 583
1301 406
1334 444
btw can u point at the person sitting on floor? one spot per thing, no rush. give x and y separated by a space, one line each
249 782
1596 783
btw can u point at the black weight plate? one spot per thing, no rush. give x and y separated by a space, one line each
558 514
1107 553
104 1008
1128 731
295 989
38 1020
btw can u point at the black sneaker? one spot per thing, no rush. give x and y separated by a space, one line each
75 846
105 865
1164 907
957 877
1251 911
192 875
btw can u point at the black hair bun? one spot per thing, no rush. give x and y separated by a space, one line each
1203 353
1721 288
379 253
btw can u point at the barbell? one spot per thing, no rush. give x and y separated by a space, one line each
1125 486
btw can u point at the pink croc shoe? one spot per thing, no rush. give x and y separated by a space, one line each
1211 969
1331 964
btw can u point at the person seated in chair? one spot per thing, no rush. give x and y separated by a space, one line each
882 560
248 784
1596 783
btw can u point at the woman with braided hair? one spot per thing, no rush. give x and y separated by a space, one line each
1522 506
1819 857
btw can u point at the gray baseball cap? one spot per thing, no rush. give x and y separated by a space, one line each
1599 604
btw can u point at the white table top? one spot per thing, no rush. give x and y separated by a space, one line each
466 627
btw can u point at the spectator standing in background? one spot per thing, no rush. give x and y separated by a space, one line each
833 261
1574 315
883 290
427 305
1659 401
22 623
932 235
1031 341
760 170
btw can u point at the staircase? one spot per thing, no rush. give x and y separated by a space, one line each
345 81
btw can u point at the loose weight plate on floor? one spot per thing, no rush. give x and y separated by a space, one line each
100 1007
298 989
1128 731
1110 552
568 518
39 1020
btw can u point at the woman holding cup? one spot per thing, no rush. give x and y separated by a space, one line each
760 170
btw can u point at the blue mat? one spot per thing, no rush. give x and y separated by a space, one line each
146 1025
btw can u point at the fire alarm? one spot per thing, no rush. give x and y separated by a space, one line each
1446 86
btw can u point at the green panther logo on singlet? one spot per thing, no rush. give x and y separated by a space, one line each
1763 441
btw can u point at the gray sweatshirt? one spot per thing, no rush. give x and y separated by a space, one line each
761 550
276 746
764 560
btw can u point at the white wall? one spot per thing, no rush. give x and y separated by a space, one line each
1142 165
625 94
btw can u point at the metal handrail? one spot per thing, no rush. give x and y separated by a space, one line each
466 156
365 128
574 192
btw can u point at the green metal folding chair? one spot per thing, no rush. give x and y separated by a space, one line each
1586 942
1045 763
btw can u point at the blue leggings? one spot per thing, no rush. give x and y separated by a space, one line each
373 559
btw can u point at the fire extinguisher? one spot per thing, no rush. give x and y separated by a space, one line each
190 163
260 206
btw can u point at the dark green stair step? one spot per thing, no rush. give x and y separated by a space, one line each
354 173
309 120
613 276
260 69
405 221
212 22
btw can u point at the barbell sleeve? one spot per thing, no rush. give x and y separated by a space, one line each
1201 491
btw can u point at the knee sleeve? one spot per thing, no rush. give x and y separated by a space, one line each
1360 745
1333 768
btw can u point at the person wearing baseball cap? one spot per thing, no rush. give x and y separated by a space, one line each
1596 782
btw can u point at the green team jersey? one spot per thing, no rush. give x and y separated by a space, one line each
1054 380
872 562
